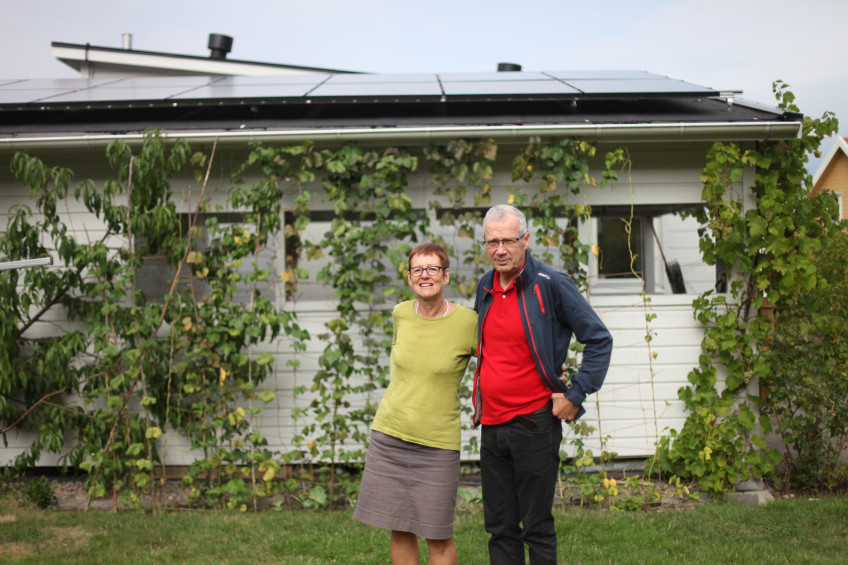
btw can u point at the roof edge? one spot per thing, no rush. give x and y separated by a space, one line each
708 132
87 48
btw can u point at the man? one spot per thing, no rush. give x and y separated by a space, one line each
527 313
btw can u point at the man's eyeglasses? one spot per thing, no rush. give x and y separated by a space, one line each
509 242
418 271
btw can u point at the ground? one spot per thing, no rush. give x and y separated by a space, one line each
71 495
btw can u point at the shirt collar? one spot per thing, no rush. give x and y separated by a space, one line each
496 283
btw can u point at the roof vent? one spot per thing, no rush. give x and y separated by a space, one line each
126 41
219 45
508 68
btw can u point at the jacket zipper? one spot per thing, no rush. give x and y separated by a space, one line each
533 351
539 297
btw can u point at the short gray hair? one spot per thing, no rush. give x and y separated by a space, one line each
498 211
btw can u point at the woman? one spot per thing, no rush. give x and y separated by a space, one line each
412 468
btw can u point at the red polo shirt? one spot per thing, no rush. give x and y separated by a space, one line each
509 382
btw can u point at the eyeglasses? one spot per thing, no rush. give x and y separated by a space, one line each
418 271
508 243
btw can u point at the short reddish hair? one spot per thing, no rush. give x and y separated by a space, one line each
430 248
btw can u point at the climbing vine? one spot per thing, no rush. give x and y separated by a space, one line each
191 361
770 239
143 365
563 170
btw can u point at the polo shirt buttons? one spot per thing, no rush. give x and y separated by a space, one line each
503 295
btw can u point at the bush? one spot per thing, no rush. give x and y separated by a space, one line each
39 492
808 392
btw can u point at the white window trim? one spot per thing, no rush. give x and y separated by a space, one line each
598 285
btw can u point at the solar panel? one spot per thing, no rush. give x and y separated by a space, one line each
168 82
266 80
21 96
566 85
254 91
36 91
59 84
511 88
378 86
381 78
123 93
378 89
491 77
610 75
636 87
253 87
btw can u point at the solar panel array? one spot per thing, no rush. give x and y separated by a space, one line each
328 88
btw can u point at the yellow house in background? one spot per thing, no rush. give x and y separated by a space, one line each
832 174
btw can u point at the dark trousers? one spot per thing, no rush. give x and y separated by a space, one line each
519 466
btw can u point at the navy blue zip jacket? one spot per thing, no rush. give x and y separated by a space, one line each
551 310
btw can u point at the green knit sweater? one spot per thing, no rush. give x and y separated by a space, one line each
429 357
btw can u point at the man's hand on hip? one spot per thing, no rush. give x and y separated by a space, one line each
563 408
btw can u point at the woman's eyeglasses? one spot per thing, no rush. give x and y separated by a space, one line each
418 271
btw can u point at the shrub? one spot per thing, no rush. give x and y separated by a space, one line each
808 393
39 493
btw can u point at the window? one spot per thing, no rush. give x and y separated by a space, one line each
665 250
618 258
614 248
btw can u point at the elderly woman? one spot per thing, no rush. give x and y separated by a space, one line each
412 467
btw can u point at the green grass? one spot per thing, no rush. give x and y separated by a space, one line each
794 531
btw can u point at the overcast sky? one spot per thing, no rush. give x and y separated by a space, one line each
724 44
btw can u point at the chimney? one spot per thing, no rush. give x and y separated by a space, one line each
126 41
219 45
508 68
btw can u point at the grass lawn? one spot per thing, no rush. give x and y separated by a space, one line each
800 530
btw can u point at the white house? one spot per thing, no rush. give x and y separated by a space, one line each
667 125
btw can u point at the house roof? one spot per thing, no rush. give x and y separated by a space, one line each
840 147
93 61
290 102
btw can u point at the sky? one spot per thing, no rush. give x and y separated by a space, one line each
723 44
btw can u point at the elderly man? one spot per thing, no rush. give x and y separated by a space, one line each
527 313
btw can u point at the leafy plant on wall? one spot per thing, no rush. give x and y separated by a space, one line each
139 365
772 247
207 370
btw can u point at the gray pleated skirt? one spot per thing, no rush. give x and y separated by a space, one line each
408 487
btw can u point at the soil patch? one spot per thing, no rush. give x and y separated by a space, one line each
72 495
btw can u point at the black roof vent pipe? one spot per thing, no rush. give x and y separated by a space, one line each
508 68
219 45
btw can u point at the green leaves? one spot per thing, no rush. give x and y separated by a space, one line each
768 245
264 359
807 381
133 374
